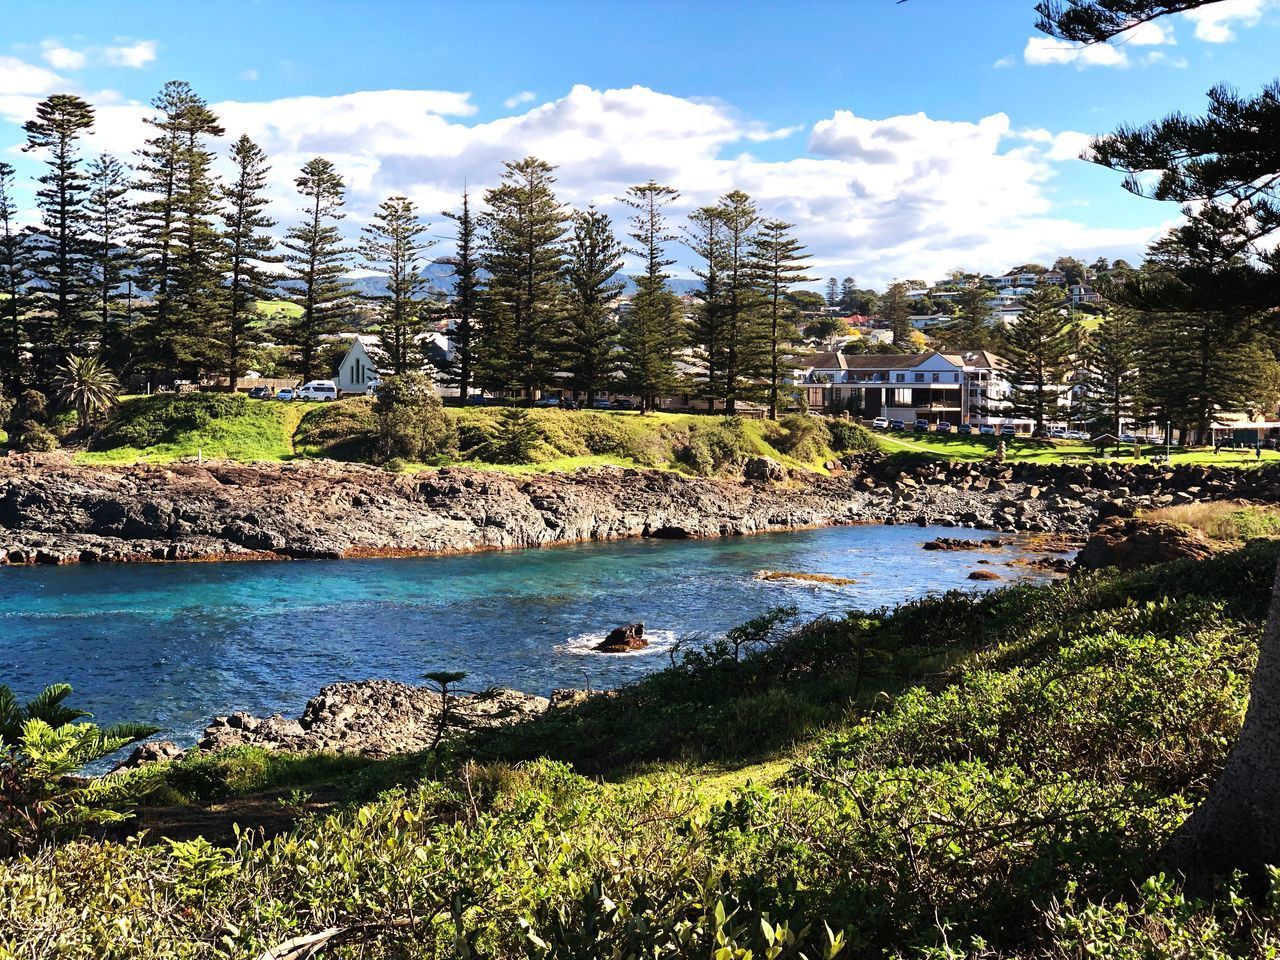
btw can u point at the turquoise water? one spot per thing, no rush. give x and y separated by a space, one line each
175 644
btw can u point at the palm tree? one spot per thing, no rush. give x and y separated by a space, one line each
87 385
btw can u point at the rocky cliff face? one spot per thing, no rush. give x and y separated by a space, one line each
52 511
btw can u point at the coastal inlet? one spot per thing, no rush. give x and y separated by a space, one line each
176 644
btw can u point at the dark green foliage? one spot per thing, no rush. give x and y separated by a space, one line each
1111 361
850 437
652 332
15 273
515 440
146 421
249 249
591 326
393 245
1097 21
523 253
895 309
803 437
412 422
316 261
42 747
973 327
1037 347
60 245
344 431
466 299
779 263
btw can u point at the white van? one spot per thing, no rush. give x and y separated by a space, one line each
319 390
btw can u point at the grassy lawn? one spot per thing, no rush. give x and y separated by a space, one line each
264 432
274 309
1018 449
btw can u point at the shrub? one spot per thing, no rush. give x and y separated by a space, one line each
346 430
33 437
802 437
849 437
164 418
515 440
412 422
42 746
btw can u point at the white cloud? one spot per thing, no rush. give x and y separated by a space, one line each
524 96
19 78
1046 50
1149 34
134 55
1216 22
1004 62
876 198
249 74
62 58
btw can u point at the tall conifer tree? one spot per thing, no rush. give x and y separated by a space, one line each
1110 361
15 274
779 264
895 307
61 246
108 213
705 235
393 246
745 354
466 298
523 253
248 247
1037 348
317 260
651 334
178 240
591 326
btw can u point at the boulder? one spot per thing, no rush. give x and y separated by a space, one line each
764 469
153 751
623 639
983 575
1129 543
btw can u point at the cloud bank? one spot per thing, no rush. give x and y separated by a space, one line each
875 198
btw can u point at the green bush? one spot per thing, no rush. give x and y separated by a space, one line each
164 418
411 421
33 437
517 439
802 437
346 430
850 437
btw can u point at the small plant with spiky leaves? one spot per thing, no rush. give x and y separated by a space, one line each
85 384
42 747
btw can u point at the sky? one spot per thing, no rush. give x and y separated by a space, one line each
902 139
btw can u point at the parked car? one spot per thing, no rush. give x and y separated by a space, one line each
622 403
568 403
1058 433
922 425
261 393
601 403
318 390
1008 430
288 393
547 402
1127 437
897 424
965 429
371 388
942 426
880 423
477 400
987 430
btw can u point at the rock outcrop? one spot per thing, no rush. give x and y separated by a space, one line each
371 717
1130 543
54 511
623 639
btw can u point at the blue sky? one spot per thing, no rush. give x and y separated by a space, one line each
903 139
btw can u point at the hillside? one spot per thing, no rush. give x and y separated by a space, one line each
964 777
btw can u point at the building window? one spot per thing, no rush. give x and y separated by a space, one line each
937 377
900 377
919 378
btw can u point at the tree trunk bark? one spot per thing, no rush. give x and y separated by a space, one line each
1238 825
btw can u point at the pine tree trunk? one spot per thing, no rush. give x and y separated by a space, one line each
1238 825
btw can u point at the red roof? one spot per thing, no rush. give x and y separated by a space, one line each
857 320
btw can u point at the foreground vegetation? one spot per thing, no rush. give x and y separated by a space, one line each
966 776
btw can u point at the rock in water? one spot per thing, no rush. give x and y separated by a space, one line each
151 752
623 639
984 575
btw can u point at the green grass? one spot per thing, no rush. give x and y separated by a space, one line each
275 309
262 430
1023 449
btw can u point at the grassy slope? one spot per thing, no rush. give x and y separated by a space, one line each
997 769
264 432
269 430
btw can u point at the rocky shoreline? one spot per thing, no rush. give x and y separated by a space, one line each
53 511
